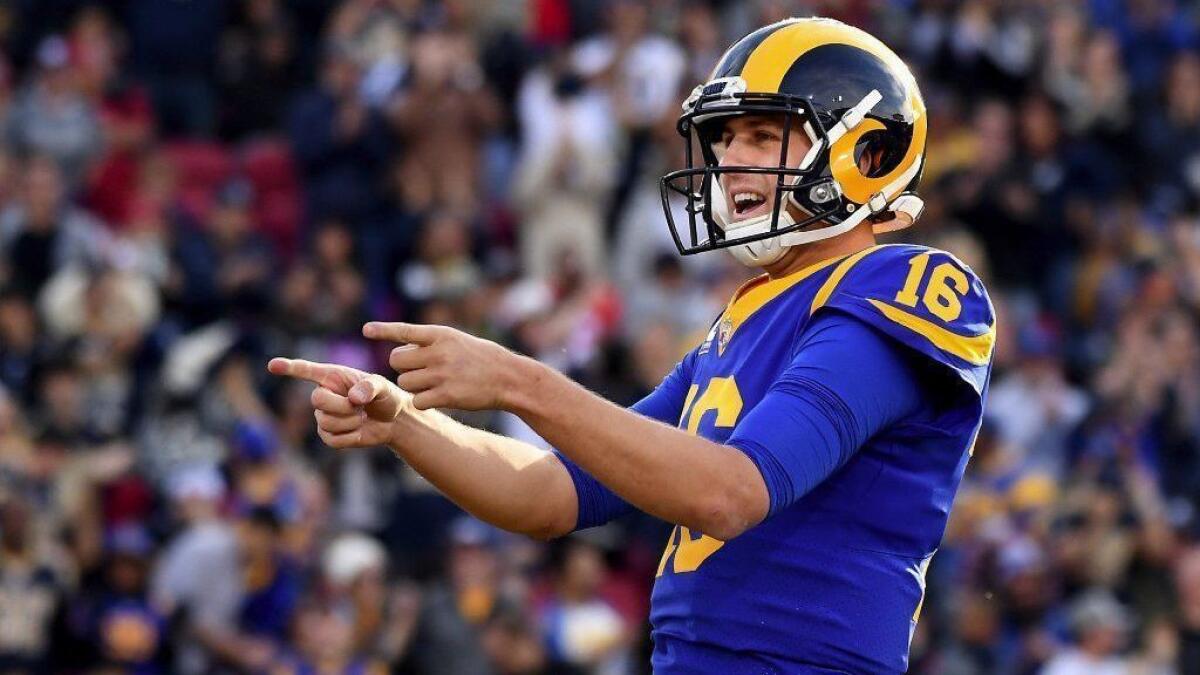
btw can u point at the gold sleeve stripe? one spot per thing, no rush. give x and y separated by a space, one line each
974 349
835 278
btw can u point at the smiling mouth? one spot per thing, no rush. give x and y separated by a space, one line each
748 203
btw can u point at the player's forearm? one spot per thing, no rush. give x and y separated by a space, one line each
662 470
508 483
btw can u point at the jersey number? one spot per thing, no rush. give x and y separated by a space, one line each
722 396
942 294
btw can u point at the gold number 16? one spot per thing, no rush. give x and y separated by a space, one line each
946 284
721 395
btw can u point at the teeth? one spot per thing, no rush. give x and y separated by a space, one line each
745 198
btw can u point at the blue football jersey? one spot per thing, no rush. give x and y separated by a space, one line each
834 581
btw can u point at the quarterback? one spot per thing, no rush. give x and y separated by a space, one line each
809 449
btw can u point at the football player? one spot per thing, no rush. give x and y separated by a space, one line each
810 448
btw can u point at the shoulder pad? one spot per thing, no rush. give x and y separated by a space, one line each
922 297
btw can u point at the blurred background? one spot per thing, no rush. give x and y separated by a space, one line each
188 187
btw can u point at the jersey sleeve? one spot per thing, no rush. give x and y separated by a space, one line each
924 299
819 412
598 504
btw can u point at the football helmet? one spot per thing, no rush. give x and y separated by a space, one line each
852 97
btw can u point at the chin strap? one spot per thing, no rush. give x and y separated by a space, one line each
766 251
908 204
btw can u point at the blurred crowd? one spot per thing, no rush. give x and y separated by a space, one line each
190 187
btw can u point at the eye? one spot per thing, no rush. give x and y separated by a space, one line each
765 136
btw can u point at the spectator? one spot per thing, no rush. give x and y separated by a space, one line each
442 117
378 35
639 70
566 168
272 579
581 628
128 630
1099 625
259 72
62 400
1034 406
225 267
198 579
44 231
700 37
324 640
339 142
442 266
669 299
513 644
104 316
53 117
454 609
20 350
1096 96
1169 139
125 113
260 478
34 591
355 569
640 73
174 52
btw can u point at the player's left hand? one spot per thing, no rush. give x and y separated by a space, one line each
447 368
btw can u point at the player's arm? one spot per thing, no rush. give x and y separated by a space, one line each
846 382
597 503
512 484
657 468
506 482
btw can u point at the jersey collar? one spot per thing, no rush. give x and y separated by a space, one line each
756 293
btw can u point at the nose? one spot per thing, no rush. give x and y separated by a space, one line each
737 153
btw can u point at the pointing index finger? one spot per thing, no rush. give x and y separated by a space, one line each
299 368
402 332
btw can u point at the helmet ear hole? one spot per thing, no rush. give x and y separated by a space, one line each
876 154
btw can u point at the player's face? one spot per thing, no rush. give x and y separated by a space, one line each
755 140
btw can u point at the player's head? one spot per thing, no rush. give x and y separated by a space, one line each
805 129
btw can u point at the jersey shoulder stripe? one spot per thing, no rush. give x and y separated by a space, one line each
923 297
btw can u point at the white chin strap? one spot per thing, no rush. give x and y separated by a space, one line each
769 250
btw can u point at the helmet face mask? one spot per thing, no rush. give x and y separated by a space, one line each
858 106
709 225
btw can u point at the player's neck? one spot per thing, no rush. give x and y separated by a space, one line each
800 257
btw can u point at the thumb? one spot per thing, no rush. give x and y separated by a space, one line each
366 390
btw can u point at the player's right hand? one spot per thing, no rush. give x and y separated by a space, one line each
353 409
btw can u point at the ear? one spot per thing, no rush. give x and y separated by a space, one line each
870 158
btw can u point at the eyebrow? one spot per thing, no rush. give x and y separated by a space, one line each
758 121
